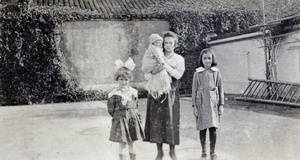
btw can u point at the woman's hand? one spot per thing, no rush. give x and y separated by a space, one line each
157 69
221 110
195 111
167 61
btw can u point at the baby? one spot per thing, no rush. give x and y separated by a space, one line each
159 83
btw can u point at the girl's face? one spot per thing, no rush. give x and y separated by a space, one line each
207 60
158 43
169 44
123 82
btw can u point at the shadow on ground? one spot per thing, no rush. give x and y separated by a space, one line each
265 108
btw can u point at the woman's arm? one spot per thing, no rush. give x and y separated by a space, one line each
167 61
158 68
178 70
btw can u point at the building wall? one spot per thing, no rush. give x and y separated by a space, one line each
288 59
93 46
239 60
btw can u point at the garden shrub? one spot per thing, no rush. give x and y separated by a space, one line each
197 28
34 68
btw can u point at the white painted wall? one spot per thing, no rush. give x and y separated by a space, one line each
93 46
239 60
288 59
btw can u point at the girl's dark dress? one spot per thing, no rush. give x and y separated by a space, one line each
122 105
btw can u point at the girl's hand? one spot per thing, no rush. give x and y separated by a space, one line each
195 111
131 103
111 113
221 110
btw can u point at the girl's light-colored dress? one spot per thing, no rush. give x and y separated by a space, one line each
207 96
159 83
122 105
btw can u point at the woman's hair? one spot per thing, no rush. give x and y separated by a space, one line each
124 73
171 34
205 51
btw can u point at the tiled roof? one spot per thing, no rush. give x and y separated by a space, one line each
138 7
274 9
102 6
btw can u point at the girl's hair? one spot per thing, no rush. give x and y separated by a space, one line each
171 34
124 73
205 51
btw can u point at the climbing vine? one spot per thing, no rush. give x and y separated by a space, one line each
197 28
34 69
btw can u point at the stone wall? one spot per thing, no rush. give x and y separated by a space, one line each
91 48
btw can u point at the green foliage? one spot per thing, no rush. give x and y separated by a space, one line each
35 70
30 64
33 67
195 29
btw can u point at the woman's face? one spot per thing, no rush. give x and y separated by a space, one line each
169 44
207 60
123 82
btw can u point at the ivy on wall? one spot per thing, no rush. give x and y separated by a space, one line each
34 69
32 66
28 60
196 28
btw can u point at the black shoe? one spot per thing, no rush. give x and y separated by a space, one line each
132 156
213 157
173 156
203 156
159 156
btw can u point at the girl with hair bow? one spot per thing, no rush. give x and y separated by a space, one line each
122 105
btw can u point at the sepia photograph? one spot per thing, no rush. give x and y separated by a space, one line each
149 79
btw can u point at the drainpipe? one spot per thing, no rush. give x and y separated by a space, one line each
265 42
266 55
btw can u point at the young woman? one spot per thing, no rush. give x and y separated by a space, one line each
162 117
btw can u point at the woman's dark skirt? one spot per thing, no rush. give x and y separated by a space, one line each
162 118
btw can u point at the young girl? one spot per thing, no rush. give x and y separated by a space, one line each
122 105
207 100
159 83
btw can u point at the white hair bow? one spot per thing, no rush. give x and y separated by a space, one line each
128 64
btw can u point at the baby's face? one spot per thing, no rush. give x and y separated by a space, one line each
158 43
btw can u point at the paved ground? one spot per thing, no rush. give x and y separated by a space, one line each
79 131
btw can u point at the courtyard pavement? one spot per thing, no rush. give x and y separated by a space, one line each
80 131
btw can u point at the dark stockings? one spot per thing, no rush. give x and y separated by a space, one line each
212 139
172 152
160 153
